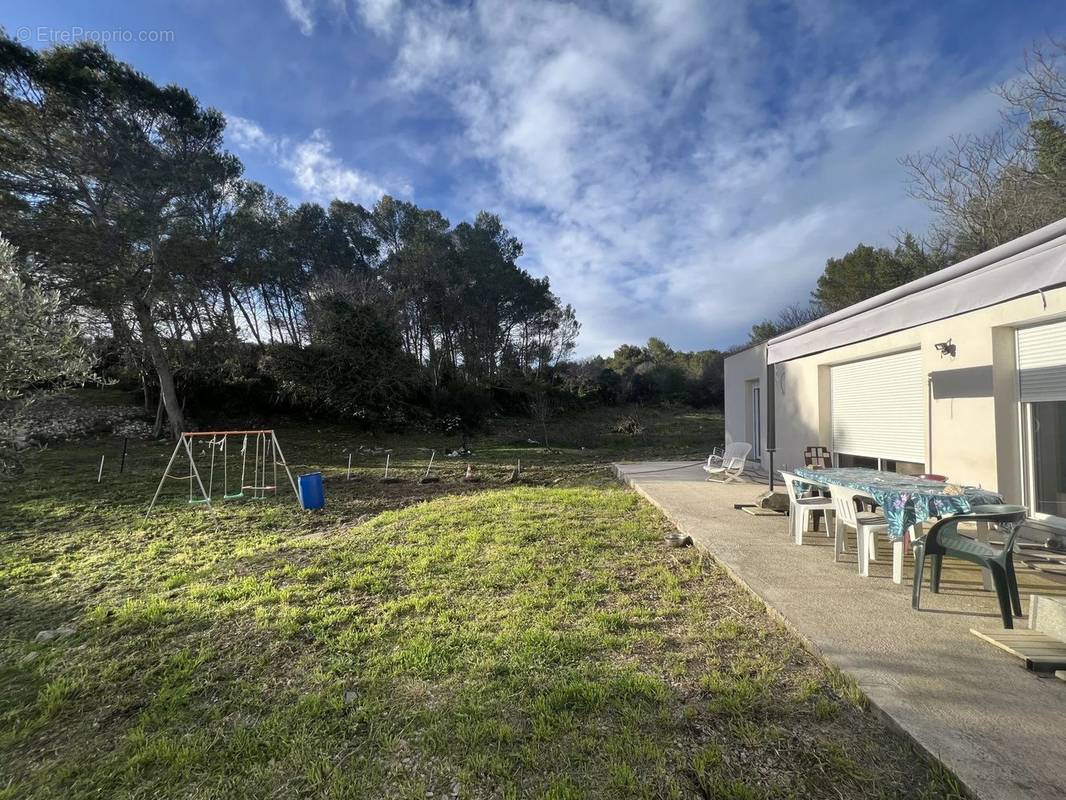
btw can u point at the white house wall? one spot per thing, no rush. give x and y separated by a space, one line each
740 368
971 399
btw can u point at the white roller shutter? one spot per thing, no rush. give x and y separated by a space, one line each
878 407
1042 362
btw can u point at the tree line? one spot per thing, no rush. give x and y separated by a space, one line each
984 190
653 373
212 292
120 197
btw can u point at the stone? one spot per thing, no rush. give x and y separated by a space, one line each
49 635
1048 615
775 501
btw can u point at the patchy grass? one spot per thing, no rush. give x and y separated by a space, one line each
447 640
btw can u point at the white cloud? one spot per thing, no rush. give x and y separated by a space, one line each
311 164
323 176
669 170
676 167
379 15
248 135
301 12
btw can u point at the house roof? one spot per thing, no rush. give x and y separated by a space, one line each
1031 263
738 350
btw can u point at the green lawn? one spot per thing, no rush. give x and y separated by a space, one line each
448 640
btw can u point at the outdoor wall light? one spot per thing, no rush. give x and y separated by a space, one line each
945 348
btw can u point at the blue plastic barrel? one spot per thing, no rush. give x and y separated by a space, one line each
312 491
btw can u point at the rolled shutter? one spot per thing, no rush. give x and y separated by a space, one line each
878 407
1042 362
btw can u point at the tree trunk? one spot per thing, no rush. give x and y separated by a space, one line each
162 368
253 325
157 428
231 318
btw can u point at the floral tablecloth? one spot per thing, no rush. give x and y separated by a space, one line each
904 499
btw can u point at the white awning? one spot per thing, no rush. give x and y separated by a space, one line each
1028 264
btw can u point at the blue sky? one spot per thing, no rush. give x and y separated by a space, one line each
678 168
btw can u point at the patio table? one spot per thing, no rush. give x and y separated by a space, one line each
905 500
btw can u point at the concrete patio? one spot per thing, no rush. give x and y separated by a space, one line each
998 727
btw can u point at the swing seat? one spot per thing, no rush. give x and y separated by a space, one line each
233 496
198 501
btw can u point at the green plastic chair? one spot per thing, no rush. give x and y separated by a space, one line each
944 539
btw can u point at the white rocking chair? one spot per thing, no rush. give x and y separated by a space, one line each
728 465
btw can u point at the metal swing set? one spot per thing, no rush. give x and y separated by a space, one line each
265 455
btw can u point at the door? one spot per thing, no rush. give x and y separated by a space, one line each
756 417
879 410
1042 390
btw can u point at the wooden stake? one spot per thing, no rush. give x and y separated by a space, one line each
513 477
427 478
125 444
349 475
100 472
387 478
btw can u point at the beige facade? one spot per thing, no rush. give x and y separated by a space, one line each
973 419
745 371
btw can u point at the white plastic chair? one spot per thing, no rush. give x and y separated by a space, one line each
865 524
727 466
801 507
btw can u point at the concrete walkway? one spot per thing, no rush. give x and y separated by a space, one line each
998 727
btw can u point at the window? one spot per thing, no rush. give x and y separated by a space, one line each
756 414
903 467
753 418
886 464
1047 458
847 460
878 408
1042 391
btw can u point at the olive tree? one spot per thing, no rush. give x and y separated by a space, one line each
40 346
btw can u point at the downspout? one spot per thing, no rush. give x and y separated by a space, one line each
771 420
929 431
